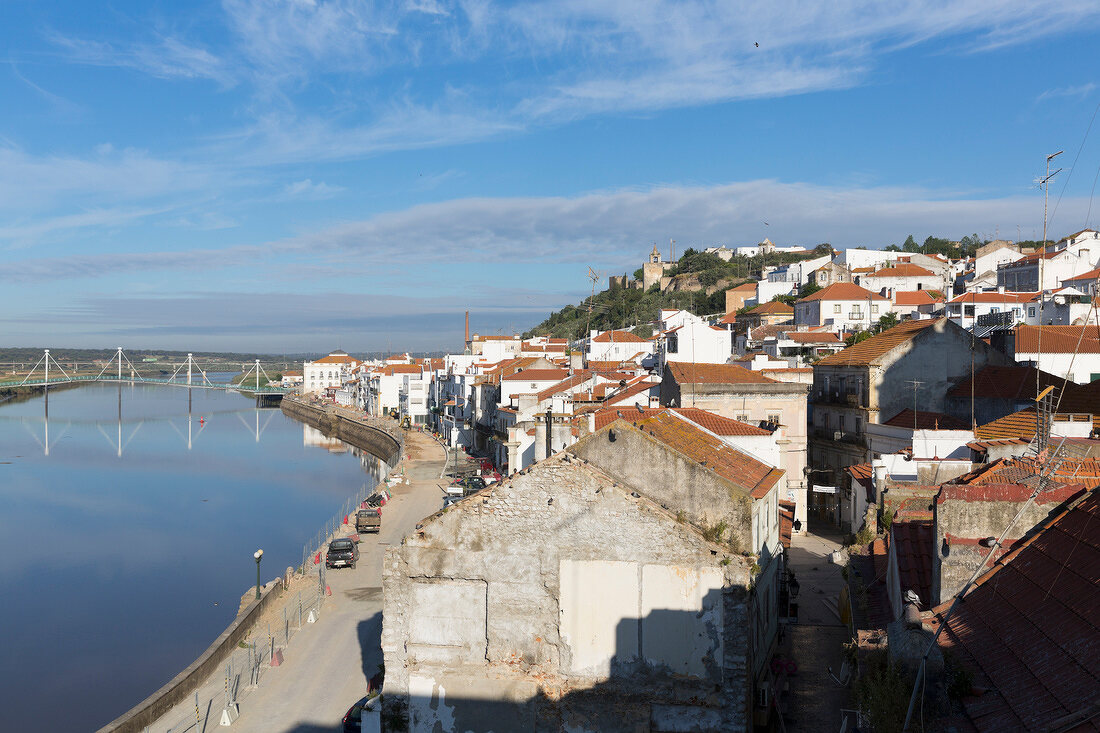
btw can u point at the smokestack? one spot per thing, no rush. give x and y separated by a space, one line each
467 326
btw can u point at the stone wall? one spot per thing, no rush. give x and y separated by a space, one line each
378 436
558 600
183 685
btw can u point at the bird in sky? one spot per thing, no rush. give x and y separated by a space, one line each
757 45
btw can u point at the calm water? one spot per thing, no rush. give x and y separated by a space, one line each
126 544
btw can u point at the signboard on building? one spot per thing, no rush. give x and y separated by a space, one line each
824 489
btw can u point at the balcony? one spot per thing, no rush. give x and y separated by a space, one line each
856 316
835 397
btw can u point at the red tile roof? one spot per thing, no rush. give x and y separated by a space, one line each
926 421
842 291
392 369
1072 470
1017 425
1083 277
1029 630
537 375
565 385
913 544
902 270
806 337
618 337
717 424
336 359
1058 339
775 307
867 352
740 469
993 297
918 297
687 373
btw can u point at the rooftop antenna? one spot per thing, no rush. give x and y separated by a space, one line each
916 384
1045 183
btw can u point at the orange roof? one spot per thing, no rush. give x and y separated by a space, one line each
1017 425
538 375
866 352
1058 339
777 307
842 291
336 359
745 288
618 337
688 373
926 421
994 297
402 369
805 337
740 469
565 385
902 270
715 423
918 297
1090 275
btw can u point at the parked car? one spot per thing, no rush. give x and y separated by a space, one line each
368 520
470 484
341 552
362 716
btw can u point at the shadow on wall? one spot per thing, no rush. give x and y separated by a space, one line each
666 672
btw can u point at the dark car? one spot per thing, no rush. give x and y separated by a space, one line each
341 552
354 717
471 484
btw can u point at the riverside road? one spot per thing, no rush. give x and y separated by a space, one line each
327 666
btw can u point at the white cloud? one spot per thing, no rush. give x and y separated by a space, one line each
307 189
608 229
1082 90
165 57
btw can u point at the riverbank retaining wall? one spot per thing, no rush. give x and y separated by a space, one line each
377 436
152 708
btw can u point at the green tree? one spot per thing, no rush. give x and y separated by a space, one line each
910 245
808 289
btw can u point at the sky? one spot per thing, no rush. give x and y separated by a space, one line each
292 176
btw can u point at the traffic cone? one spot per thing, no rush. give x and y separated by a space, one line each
317 559
328 590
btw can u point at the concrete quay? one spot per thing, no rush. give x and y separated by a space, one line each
326 665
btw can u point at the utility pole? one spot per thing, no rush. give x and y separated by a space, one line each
1042 258
916 384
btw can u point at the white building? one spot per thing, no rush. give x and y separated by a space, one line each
843 307
328 371
1071 352
616 346
966 309
1071 257
797 272
685 337
902 276
993 255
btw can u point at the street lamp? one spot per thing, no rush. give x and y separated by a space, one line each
258 554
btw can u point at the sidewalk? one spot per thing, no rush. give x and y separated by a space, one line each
326 665
816 641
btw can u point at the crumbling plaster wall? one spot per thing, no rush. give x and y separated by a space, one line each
670 479
502 553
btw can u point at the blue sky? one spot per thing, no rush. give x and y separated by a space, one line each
301 175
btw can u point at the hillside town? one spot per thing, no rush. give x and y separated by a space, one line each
878 458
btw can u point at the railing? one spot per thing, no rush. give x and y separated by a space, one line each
239 387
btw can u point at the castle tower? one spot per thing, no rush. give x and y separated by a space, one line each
655 256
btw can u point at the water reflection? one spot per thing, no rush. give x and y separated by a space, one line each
152 512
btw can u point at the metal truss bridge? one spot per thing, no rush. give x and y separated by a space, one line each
191 378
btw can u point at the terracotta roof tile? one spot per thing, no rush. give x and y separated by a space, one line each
912 540
926 421
1029 630
842 291
717 424
775 307
688 373
918 297
806 337
993 297
1017 425
618 337
902 269
537 375
740 469
867 352
1058 339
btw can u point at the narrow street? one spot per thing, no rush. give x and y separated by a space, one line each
816 641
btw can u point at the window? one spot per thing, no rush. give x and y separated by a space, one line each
773 418
1031 311
968 310
874 308
743 418
673 344
836 308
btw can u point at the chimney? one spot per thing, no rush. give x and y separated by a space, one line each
467 326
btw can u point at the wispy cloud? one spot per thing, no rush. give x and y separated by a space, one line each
602 228
307 189
165 57
1081 90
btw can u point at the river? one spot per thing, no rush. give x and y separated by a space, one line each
126 536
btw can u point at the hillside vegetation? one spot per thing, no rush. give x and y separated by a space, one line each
635 309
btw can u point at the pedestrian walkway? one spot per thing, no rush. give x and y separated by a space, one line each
816 641
325 667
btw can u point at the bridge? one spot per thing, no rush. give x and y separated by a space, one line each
192 378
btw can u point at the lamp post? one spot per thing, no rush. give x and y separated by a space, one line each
258 554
